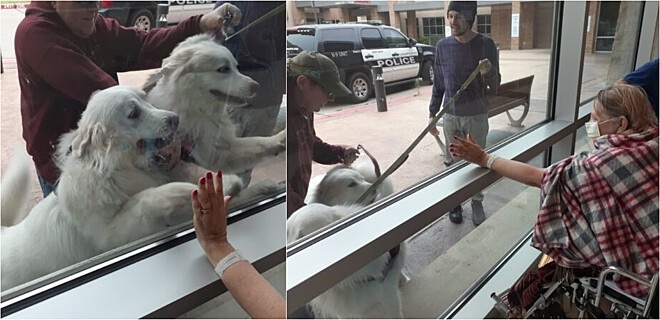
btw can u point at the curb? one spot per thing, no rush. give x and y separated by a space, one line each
319 118
13 6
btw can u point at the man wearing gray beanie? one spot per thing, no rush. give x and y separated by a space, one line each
455 58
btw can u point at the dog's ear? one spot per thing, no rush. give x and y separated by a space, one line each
152 81
94 135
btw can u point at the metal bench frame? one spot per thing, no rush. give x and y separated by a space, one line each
509 95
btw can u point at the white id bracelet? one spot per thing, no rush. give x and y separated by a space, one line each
228 261
489 162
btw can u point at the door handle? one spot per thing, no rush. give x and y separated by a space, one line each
369 56
395 54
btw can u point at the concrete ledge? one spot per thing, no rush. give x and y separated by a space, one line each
447 278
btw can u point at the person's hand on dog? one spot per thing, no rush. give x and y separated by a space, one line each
350 155
469 150
214 21
434 129
210 217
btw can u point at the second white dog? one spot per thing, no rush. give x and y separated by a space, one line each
199 81
372 291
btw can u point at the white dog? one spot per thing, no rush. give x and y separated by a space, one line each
372 291
112 189
200 81
15 199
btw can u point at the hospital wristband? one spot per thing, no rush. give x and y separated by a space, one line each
228 261
489 162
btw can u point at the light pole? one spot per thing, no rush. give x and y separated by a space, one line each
316 15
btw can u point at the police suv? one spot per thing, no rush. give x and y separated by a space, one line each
356 47
142 14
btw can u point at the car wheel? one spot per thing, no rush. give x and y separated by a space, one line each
427 72
143 19
360 86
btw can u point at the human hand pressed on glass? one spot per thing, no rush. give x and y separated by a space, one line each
469 150
210 216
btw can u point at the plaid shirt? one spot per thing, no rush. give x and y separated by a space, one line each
601 208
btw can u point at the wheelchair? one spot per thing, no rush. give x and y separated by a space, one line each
571 296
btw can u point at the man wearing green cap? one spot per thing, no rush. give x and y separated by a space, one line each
312 81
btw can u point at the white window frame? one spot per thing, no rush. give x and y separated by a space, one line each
442 26
163 285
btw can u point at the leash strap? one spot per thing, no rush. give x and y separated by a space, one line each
261 19
404 156
373 160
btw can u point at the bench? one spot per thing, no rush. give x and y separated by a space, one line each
509 95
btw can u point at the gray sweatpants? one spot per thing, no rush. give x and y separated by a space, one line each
460 126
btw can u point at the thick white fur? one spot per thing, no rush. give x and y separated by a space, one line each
14 199
353 297
200 81
110 192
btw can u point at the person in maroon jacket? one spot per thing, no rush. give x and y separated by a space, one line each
65 51
312 81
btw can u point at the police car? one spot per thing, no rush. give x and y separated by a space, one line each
356 47
142 14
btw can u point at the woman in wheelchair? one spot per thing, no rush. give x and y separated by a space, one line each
599 208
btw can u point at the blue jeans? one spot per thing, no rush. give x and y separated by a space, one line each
46 187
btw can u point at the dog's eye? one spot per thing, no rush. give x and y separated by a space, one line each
352 184
223 69
134 114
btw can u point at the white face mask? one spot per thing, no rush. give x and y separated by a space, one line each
592 129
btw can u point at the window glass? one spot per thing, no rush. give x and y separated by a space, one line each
371 38
483 24
299 40
338 39
394 39
433 29
260 58
609 53
520 103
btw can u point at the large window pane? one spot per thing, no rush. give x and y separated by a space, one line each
390 133
269 72
611 35
522 58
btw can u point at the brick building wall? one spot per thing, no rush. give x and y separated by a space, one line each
590 37
526 28
294 15
331 14
500 30
535 28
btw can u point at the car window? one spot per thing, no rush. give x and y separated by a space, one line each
394 39
341 39
372 39
301 39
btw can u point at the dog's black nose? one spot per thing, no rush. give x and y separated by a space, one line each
173 121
